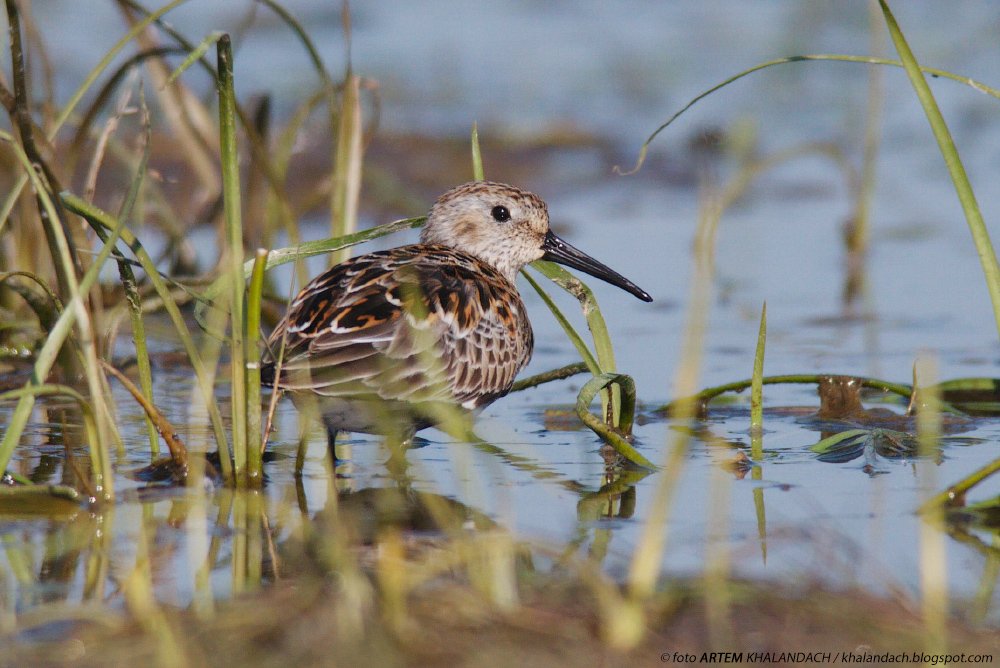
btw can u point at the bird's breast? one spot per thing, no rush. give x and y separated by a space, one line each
488 338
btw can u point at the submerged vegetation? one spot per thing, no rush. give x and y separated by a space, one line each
84 192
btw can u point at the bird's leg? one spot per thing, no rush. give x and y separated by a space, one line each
331 443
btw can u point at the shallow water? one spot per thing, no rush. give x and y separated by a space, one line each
524 69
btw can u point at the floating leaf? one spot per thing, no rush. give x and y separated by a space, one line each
57 501
975 396
851 444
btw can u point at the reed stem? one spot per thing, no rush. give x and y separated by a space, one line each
255 438
234 253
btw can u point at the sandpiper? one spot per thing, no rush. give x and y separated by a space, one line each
382 341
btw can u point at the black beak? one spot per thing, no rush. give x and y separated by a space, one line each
557 250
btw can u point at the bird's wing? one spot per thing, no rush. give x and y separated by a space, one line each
347 334
412 324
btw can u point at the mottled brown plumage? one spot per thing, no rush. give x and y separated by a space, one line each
382 339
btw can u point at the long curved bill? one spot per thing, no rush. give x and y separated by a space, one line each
557 250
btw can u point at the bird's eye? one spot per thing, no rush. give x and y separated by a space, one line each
500 214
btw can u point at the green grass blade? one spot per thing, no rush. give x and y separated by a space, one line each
347 159
933 561
75 313
647 557
234 252
706 395
255 439
820 57
974 218
831 443
858 232
97 217
78 94
605 359
195 55
477 155
577 341
588 304
595 322
106 60
561 373
955 494
613 437
757 413
757 380
280 256
130 286
303 37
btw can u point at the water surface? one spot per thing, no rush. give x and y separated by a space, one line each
524 70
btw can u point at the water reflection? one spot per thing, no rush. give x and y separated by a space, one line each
191 546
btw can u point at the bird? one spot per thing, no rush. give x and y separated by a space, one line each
389 342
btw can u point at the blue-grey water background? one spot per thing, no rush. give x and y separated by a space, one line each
615 71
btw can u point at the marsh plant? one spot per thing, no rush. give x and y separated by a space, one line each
96 251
